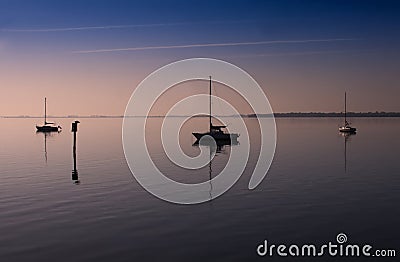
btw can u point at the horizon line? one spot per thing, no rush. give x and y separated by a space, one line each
239 115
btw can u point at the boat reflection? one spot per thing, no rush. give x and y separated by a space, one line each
46 135
214 147
347 137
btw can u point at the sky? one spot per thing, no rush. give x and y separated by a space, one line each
88 56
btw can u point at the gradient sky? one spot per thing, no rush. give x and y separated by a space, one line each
44 44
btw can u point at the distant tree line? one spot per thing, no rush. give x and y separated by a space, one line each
331 114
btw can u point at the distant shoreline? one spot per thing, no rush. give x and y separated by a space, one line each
331 114
276 115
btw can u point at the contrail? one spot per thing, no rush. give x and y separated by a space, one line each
83 28
212 45
89 28
296 53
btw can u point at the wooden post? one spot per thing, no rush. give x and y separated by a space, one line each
75 176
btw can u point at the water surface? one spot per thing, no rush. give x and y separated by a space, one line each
320 184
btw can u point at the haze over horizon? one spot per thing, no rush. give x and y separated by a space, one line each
88 57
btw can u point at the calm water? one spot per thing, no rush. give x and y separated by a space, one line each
314 190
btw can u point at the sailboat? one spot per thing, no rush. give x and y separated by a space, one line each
346 128
216 132
48 126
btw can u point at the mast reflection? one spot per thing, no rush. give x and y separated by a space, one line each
45 136
347 138
215 147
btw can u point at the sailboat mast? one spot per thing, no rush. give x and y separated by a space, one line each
45 109
345 107
210 106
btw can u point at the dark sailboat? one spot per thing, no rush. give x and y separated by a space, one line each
346 128
216 132
48 126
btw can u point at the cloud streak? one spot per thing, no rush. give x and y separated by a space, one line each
143 48
105 27
66 29
306 53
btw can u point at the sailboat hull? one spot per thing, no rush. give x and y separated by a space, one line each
347 129
47 128
218 136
